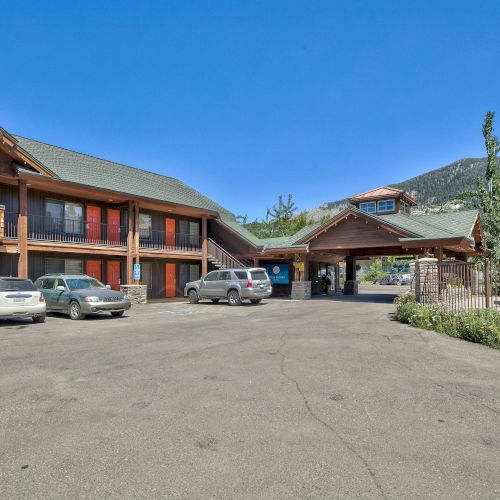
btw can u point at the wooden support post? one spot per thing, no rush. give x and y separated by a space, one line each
204 246
130 244
487 283
136 237
22 230
438 253
350 271
337 277
305 273
2 222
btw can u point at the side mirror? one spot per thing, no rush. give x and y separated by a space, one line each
108 286
60 288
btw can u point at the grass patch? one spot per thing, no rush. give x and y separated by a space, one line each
477 325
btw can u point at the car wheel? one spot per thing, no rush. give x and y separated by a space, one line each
38 319
255 301
117 314
193 297
75 311
215 301
233 297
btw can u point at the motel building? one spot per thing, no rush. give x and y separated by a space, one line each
64 211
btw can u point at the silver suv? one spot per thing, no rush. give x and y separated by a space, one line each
235 285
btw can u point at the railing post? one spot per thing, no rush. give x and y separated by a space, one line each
22 230
130 243
136 236
2 222
204 246
487 283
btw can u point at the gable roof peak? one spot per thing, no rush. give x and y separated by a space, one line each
383 192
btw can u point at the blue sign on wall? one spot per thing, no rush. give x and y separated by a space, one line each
137 272
279 273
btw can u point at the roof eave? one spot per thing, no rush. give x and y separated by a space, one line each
33 176
10 143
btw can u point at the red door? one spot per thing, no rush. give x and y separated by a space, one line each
93 224
94 269
170 280
170 233
113 225
113 274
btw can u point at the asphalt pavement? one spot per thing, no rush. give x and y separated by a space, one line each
326 398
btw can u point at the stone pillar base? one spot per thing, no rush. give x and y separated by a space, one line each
351 287
137 294
427 280
301 290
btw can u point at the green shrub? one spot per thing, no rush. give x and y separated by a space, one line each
478 325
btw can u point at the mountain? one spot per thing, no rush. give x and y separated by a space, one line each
432 190
446 183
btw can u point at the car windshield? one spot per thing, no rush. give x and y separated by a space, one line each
83 283
13 285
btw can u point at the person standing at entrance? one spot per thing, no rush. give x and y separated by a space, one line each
328 284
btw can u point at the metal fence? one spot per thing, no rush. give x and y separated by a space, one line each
458 286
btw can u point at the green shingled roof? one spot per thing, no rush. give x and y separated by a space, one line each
435 226
79 168
87 170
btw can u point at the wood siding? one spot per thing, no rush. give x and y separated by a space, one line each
8 264
354 233
36 263
226 239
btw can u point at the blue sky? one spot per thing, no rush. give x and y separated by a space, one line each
247 100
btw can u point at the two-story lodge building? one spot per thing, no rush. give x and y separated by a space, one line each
63 211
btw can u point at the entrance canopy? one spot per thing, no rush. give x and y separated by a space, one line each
356 233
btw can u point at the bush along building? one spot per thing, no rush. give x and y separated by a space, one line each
63 211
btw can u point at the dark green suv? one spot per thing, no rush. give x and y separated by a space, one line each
79 295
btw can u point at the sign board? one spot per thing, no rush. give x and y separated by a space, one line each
299 266
137 272
278 273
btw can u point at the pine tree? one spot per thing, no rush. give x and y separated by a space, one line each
486 197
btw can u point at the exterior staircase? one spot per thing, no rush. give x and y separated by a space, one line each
221 258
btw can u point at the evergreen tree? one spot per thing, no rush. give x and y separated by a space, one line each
486 197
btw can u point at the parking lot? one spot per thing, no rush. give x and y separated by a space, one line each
286 399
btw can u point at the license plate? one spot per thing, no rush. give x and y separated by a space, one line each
19 300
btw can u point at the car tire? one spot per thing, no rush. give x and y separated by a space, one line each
117 314
38 319
215 301
255 301
233 298
193 297
75 310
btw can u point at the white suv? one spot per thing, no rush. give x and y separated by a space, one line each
19 298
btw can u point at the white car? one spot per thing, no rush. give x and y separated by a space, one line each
19 298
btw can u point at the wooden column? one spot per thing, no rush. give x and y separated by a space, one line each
22 230
438 253
337 277
136 237
350 271
130 244
304 275
2 222
204 246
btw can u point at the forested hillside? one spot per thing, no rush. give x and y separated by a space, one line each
445 184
